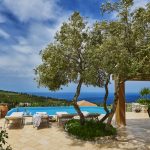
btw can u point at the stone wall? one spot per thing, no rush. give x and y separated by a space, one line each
141 108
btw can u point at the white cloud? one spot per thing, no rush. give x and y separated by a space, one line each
33 9
39 35
139 3
4 34
23 56
136 5
25 49
19 60
18 65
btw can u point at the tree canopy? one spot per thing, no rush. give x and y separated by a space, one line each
89 55
125 50
68 59
126 46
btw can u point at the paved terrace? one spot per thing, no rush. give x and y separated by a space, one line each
136 136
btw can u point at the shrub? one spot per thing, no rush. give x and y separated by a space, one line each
143 101
3 143
145 92
89 131
137 110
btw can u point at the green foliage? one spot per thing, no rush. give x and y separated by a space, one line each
62 59
145 92
126 46
128 107
144 101
90 55
68 58
89 131
13 99
3 143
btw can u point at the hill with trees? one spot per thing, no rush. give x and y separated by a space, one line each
14 99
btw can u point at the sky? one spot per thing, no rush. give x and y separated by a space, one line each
27 26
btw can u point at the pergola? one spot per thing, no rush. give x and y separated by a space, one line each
121 110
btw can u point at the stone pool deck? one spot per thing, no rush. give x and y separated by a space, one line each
135 136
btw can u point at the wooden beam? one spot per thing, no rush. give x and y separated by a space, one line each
120 110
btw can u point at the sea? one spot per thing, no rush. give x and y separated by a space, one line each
91 97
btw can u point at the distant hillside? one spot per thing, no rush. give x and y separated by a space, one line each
15 99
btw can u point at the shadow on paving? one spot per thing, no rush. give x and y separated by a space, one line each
135 136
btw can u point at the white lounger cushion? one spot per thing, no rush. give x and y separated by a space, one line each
41 113
17 114
36 120
61 113
85 113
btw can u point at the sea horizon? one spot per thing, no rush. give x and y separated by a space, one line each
95 97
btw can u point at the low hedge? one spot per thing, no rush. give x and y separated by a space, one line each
90 130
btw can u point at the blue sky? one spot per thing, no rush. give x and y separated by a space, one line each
27 26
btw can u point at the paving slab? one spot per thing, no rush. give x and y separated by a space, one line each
132 137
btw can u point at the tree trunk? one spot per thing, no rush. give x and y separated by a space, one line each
148 110
114 104
77 108
105 100
121 108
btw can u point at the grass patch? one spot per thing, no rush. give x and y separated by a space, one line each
90 130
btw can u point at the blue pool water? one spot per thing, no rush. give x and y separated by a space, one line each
53 110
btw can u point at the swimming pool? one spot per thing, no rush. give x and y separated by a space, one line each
53 110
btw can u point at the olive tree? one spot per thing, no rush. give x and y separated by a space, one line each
68 59
96 68
126 44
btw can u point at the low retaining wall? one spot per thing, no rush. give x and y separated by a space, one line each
141 108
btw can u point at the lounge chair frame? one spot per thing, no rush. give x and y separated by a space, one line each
44 119
93 116
14 120
61 119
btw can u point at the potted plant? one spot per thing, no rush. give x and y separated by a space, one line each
137 110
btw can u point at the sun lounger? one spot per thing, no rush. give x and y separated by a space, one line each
62 117
61 112
15 117
85 113
39 118
92 116
65 117
88 115
41 113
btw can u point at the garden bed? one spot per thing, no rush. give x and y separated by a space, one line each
91 130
